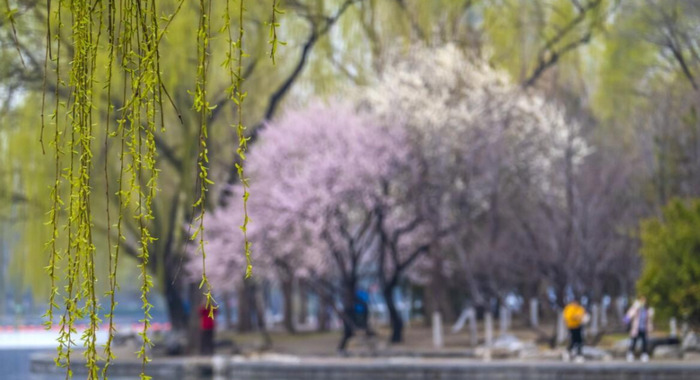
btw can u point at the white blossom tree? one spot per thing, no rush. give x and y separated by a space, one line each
486 145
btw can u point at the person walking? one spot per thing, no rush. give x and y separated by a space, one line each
574 315
639 317
362 311
356 318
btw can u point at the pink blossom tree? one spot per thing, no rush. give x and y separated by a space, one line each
322 181
346 180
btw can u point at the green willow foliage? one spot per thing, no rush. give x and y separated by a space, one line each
132 31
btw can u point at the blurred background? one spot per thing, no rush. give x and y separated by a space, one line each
412 162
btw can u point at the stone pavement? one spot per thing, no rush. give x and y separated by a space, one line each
289 367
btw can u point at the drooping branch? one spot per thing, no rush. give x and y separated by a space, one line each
316 34
276 98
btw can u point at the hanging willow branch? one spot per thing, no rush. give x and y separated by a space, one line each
137 45
235 92
132 34
202 106
112 253
238 97
274 24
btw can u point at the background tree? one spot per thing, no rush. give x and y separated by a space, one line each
488 149
178 146
671 255
326 177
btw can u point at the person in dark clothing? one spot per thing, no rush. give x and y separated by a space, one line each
362 309
348 331
356 317
207 327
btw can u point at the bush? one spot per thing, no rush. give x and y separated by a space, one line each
671 253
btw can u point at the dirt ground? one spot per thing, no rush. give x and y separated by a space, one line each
417 339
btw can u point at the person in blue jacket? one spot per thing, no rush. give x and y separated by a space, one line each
358 318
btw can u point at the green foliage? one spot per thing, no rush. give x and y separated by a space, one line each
238 95
626 68
103 91
30 173
671 254
203 108
523 35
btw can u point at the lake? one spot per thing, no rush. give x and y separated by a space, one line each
15 365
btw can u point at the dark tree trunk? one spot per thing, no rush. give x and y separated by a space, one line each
303 302
228 313
437 297
245 300
324 316
175 302
192 320
349 299
348 314
429 305
440 292
394 316
288 294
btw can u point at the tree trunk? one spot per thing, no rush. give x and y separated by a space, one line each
228 313
303 302
436 297
288 295
394 315
259 305
175 302
192 320
324 315
245 300
430 305
350 287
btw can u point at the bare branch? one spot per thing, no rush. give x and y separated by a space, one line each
548 55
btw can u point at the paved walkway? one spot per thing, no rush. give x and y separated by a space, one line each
290 367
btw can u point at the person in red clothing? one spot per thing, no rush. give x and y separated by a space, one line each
207 326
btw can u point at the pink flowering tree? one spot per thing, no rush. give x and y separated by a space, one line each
280 256
345 181
325 182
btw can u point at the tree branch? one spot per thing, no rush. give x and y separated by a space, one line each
548 55
412 257
278 95
678 55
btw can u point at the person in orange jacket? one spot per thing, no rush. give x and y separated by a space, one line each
574 317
